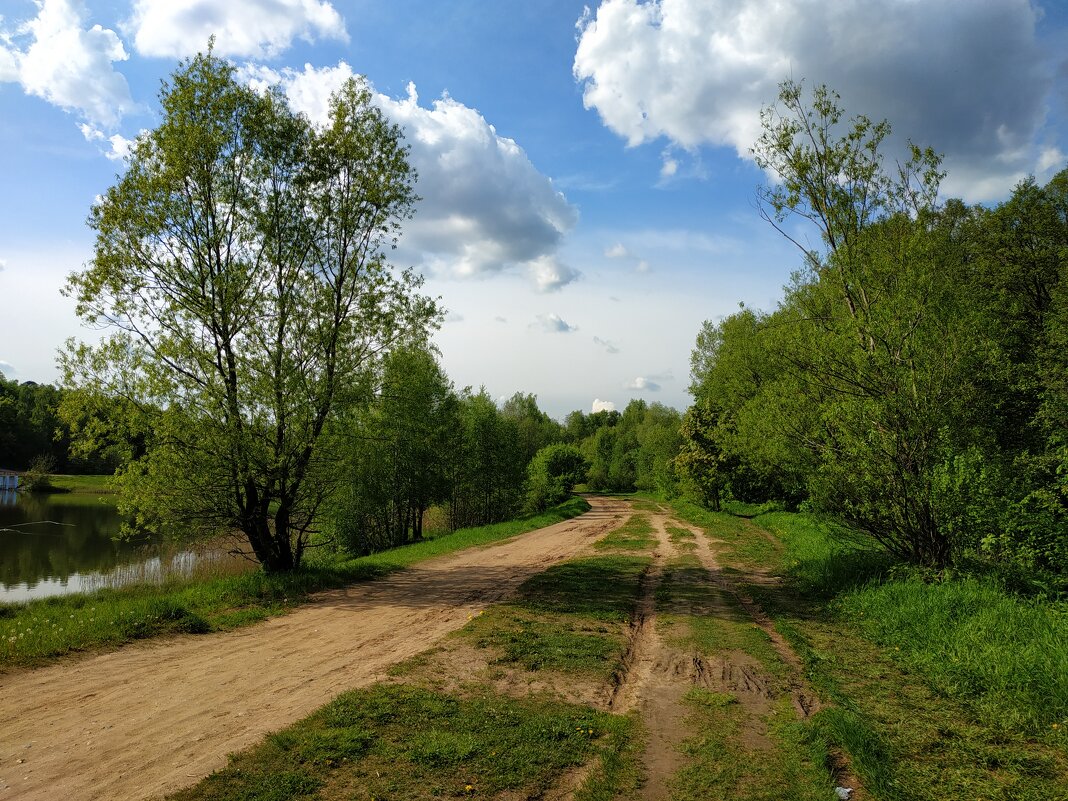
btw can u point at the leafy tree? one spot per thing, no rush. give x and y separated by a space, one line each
397 453
552 474
240 263
487 467
536 428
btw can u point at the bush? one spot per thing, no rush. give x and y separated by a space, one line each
552 474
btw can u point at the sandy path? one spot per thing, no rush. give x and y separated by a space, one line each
150 718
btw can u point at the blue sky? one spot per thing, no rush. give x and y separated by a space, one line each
588 197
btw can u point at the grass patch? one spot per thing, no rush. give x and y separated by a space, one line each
88 484
682 538
637 534
952 688
721 767
569 618
33 632
741 539
1005 656
405 742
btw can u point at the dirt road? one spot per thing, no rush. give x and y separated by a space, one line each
148 719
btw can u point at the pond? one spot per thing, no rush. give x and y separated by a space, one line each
57 544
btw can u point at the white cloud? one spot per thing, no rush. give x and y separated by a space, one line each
3 264
485 208
55 57
553 324
550 275
7 369
697 73
602 406
604 343
642 384
242 28
617 251
453 317
118 146
669 165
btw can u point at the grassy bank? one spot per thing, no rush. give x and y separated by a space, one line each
93 485
33 632
949 682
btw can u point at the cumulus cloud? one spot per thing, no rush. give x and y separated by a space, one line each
242 28
485 207
3 265
698 74
54 56
602 406
642 384
604 343
7 369
551 323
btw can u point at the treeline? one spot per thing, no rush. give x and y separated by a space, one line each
913 383
33 432
421 449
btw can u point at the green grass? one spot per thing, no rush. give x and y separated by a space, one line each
636 534
94 484
1005 656
721 767
406 742
950 688
563 618
33 632
735 533
735 751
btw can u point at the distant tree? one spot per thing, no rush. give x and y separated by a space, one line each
536 428
240 262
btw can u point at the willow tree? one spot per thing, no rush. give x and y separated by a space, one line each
240 267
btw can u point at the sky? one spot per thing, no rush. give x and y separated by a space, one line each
588 193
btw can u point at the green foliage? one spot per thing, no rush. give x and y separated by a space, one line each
240 262
397 454
909 382
552 474
628 451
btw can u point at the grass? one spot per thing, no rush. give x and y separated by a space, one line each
93 484
406 742
634 535
946 687
37 631
721 767
570 618
736 750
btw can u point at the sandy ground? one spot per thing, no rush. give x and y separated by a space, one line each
148 719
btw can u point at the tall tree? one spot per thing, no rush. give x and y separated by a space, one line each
240 263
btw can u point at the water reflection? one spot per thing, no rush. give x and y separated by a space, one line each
8 497
60 544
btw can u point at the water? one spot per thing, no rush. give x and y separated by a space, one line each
65 543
